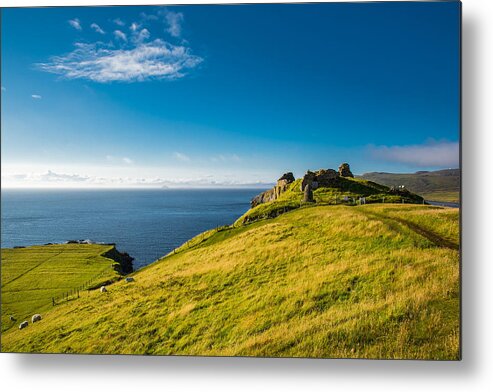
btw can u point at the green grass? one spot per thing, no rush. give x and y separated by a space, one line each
447 196
441 185
32 276
343 187
373 281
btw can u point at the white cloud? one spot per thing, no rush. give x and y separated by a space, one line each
181 157
119 22
51 176
97 29
134 26
431 154
174 21
36 96
144 61
4 89
128 161
120 35
75 23
55 179
142 35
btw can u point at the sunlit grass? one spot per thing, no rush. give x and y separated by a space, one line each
32 276
328 281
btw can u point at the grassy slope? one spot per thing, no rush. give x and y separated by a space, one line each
352 188
442 185
32 276
327 281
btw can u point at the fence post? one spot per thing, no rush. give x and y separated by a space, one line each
53 301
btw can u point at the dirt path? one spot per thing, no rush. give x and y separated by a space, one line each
429 235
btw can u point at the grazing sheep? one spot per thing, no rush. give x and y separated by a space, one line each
36 317
12 318
103 289
24 324
129 279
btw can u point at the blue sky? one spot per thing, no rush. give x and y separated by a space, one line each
226 95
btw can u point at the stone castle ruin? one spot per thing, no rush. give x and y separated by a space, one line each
310 182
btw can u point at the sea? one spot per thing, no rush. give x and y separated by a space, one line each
145 223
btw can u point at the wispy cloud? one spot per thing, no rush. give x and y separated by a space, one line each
134 26
141 36
4 89
145 61
181 157
119 22
128 161
36 96
58 179
97 28
146 17
174 22
431 154
51 176
75 23
120 35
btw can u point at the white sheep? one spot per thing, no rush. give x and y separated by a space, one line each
24 324
103 289
36 317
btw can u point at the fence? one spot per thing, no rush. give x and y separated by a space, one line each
76 292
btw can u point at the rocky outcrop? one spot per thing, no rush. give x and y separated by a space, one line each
286 179
345 171
320 178
272 194
308 194
123 261
308 179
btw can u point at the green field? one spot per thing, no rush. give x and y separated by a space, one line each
32 276
371 281
440 185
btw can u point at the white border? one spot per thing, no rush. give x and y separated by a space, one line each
119 373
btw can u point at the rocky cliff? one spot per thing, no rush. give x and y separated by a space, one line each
320 178
272 194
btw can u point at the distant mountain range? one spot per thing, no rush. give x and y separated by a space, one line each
440 185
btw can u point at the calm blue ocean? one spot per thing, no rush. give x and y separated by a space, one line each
145 223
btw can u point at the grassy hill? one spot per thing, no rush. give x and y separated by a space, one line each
32 276
344 190
441 185
371 281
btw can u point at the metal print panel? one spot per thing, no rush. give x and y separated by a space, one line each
269 180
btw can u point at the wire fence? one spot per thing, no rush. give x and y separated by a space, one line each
77 291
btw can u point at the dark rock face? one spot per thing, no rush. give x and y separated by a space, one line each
321 178
264 197
123 261
272 194
308 194
326 177
345 171
308 178
287 178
